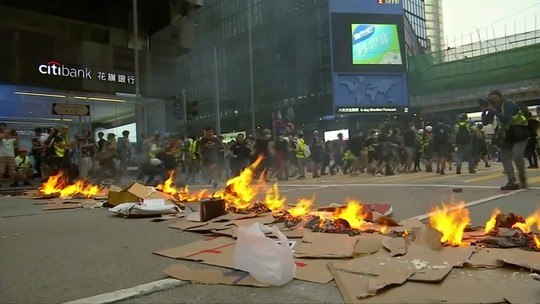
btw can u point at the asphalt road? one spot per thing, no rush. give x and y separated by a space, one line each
58 256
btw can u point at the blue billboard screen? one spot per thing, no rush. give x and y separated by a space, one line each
377 92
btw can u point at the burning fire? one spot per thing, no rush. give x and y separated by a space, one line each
529 222
490 225
57 184
302 207
451 221
181 194
352 214
536 241
273 200
239 192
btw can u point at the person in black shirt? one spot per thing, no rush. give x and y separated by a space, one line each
441 143
208 148
241 153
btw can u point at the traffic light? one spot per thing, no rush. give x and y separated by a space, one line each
177 107
192 110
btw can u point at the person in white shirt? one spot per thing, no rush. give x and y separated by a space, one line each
7 155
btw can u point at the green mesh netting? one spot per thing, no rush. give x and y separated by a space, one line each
426 76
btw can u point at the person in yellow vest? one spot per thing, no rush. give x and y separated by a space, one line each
25 171
511 134
62 149
302 153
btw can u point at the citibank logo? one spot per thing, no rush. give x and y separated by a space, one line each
57 69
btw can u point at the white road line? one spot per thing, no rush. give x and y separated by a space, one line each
128 293
422 217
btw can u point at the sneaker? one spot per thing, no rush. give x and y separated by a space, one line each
442 172
214 184
510 186
316 176
488 165
472 171
301 177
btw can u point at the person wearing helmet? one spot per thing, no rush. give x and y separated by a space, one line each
426 144
25 172
442 144
463 141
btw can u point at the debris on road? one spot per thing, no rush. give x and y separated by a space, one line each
11 235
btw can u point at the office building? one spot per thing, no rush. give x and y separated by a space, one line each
434 24
415 11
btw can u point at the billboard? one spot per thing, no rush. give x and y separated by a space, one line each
368 56
375 44
370 93
364 43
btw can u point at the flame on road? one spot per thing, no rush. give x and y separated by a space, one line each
529 222
490 225
451 221
57 184
352 213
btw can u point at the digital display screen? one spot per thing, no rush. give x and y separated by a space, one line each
375 44
368 43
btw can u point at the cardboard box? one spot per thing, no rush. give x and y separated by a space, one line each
204 211
133 193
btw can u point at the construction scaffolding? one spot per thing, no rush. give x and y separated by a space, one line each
485 63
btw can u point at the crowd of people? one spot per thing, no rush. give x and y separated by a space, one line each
386 150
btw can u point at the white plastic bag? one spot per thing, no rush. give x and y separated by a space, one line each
266 260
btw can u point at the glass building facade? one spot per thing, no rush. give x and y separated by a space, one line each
291 75
415 11
434 24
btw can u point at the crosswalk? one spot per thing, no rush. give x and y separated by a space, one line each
484 176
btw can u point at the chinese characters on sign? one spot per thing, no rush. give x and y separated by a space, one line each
119 78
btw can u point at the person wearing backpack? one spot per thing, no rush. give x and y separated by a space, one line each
441 144
512 133
463 141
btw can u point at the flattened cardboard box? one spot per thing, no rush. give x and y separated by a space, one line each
326 245
219 251
204 211
213 276
458 287
134 193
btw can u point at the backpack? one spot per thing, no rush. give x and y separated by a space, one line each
463 137
441 136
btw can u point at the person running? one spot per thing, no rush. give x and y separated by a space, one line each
208 149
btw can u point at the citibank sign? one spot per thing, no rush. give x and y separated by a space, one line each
55 68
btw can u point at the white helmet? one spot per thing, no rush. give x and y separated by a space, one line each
420 132
429 129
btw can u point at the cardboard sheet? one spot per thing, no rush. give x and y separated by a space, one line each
459 287
313 270
64 206
523 258
326 245
208 227
184 224
265 219
428 265
487 258
368 244
396 245
233 216
389 278
213 276
515 286
193 250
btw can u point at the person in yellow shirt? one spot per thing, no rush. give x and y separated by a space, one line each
25 171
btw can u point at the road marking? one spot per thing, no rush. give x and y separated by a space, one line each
128 293
534 180
483 178
424 216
